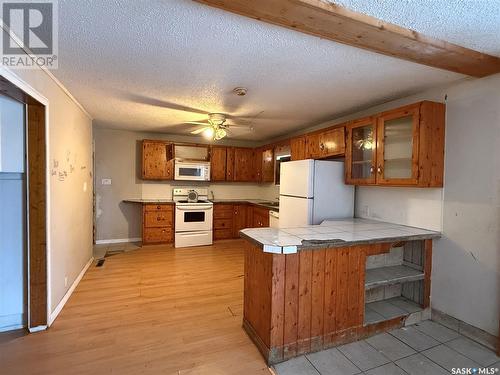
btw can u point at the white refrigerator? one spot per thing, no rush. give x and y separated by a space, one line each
312 191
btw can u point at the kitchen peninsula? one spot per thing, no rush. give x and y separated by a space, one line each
318 286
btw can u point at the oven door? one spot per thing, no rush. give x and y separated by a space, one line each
193 218
192 171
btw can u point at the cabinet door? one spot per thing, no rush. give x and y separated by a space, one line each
360 161
298 148
218 163
332 142
397 147
230 164
244 164
239 219
312 146
257 165
155 155
267 168
260 217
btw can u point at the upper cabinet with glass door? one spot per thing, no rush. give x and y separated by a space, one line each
397 147
401 147
360 165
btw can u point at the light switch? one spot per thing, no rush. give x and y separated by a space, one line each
106 181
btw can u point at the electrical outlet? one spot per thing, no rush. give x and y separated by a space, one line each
106 181
65 281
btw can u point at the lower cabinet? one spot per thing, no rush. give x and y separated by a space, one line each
229 219
157 224
260 217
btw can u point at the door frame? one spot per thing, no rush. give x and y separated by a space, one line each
37 189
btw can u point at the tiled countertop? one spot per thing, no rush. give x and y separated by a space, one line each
333 233
143 201
257 202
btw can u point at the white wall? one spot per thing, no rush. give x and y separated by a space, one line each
12 215
118 156
70 212
466 261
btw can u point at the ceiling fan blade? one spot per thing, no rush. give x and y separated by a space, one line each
197 123
198 131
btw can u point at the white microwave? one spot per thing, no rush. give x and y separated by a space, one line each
192 171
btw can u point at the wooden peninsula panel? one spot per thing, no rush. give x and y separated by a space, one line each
303 302
311 300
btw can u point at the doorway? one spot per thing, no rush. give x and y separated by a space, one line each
26 173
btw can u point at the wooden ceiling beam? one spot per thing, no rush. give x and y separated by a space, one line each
330 21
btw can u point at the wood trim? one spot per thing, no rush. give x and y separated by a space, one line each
329 21
37 216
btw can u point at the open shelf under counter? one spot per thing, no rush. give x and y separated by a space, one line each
379 311
389 275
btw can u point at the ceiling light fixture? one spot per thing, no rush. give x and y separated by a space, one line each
209 133
240 91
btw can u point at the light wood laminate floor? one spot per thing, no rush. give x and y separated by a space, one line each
155 310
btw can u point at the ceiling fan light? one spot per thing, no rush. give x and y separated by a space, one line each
209 133
219 134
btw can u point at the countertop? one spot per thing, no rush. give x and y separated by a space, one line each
258 202
333 233
142 201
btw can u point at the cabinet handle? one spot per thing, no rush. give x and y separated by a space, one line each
372 169
379 169
322 146
158 207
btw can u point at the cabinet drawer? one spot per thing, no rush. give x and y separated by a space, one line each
157 219
223 224
157 235
158 207
223 234
223 211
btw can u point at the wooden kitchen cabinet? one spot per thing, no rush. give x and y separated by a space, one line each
361 153
400 147
218 163
229 219
332 142
244 164
260 217
239 218
266 167
230 164
298 148
397 146
223 221
326 144
157 160
157 224
312 146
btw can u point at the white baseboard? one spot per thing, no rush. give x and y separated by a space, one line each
118 240
68 294
37 329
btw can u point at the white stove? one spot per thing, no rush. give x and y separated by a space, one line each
193 217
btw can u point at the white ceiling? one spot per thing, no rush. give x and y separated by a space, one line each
144 65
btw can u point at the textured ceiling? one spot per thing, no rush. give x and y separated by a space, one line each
151 65
473 24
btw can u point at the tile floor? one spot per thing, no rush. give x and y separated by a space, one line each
427 348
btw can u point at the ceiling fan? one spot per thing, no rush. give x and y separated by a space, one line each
216 126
